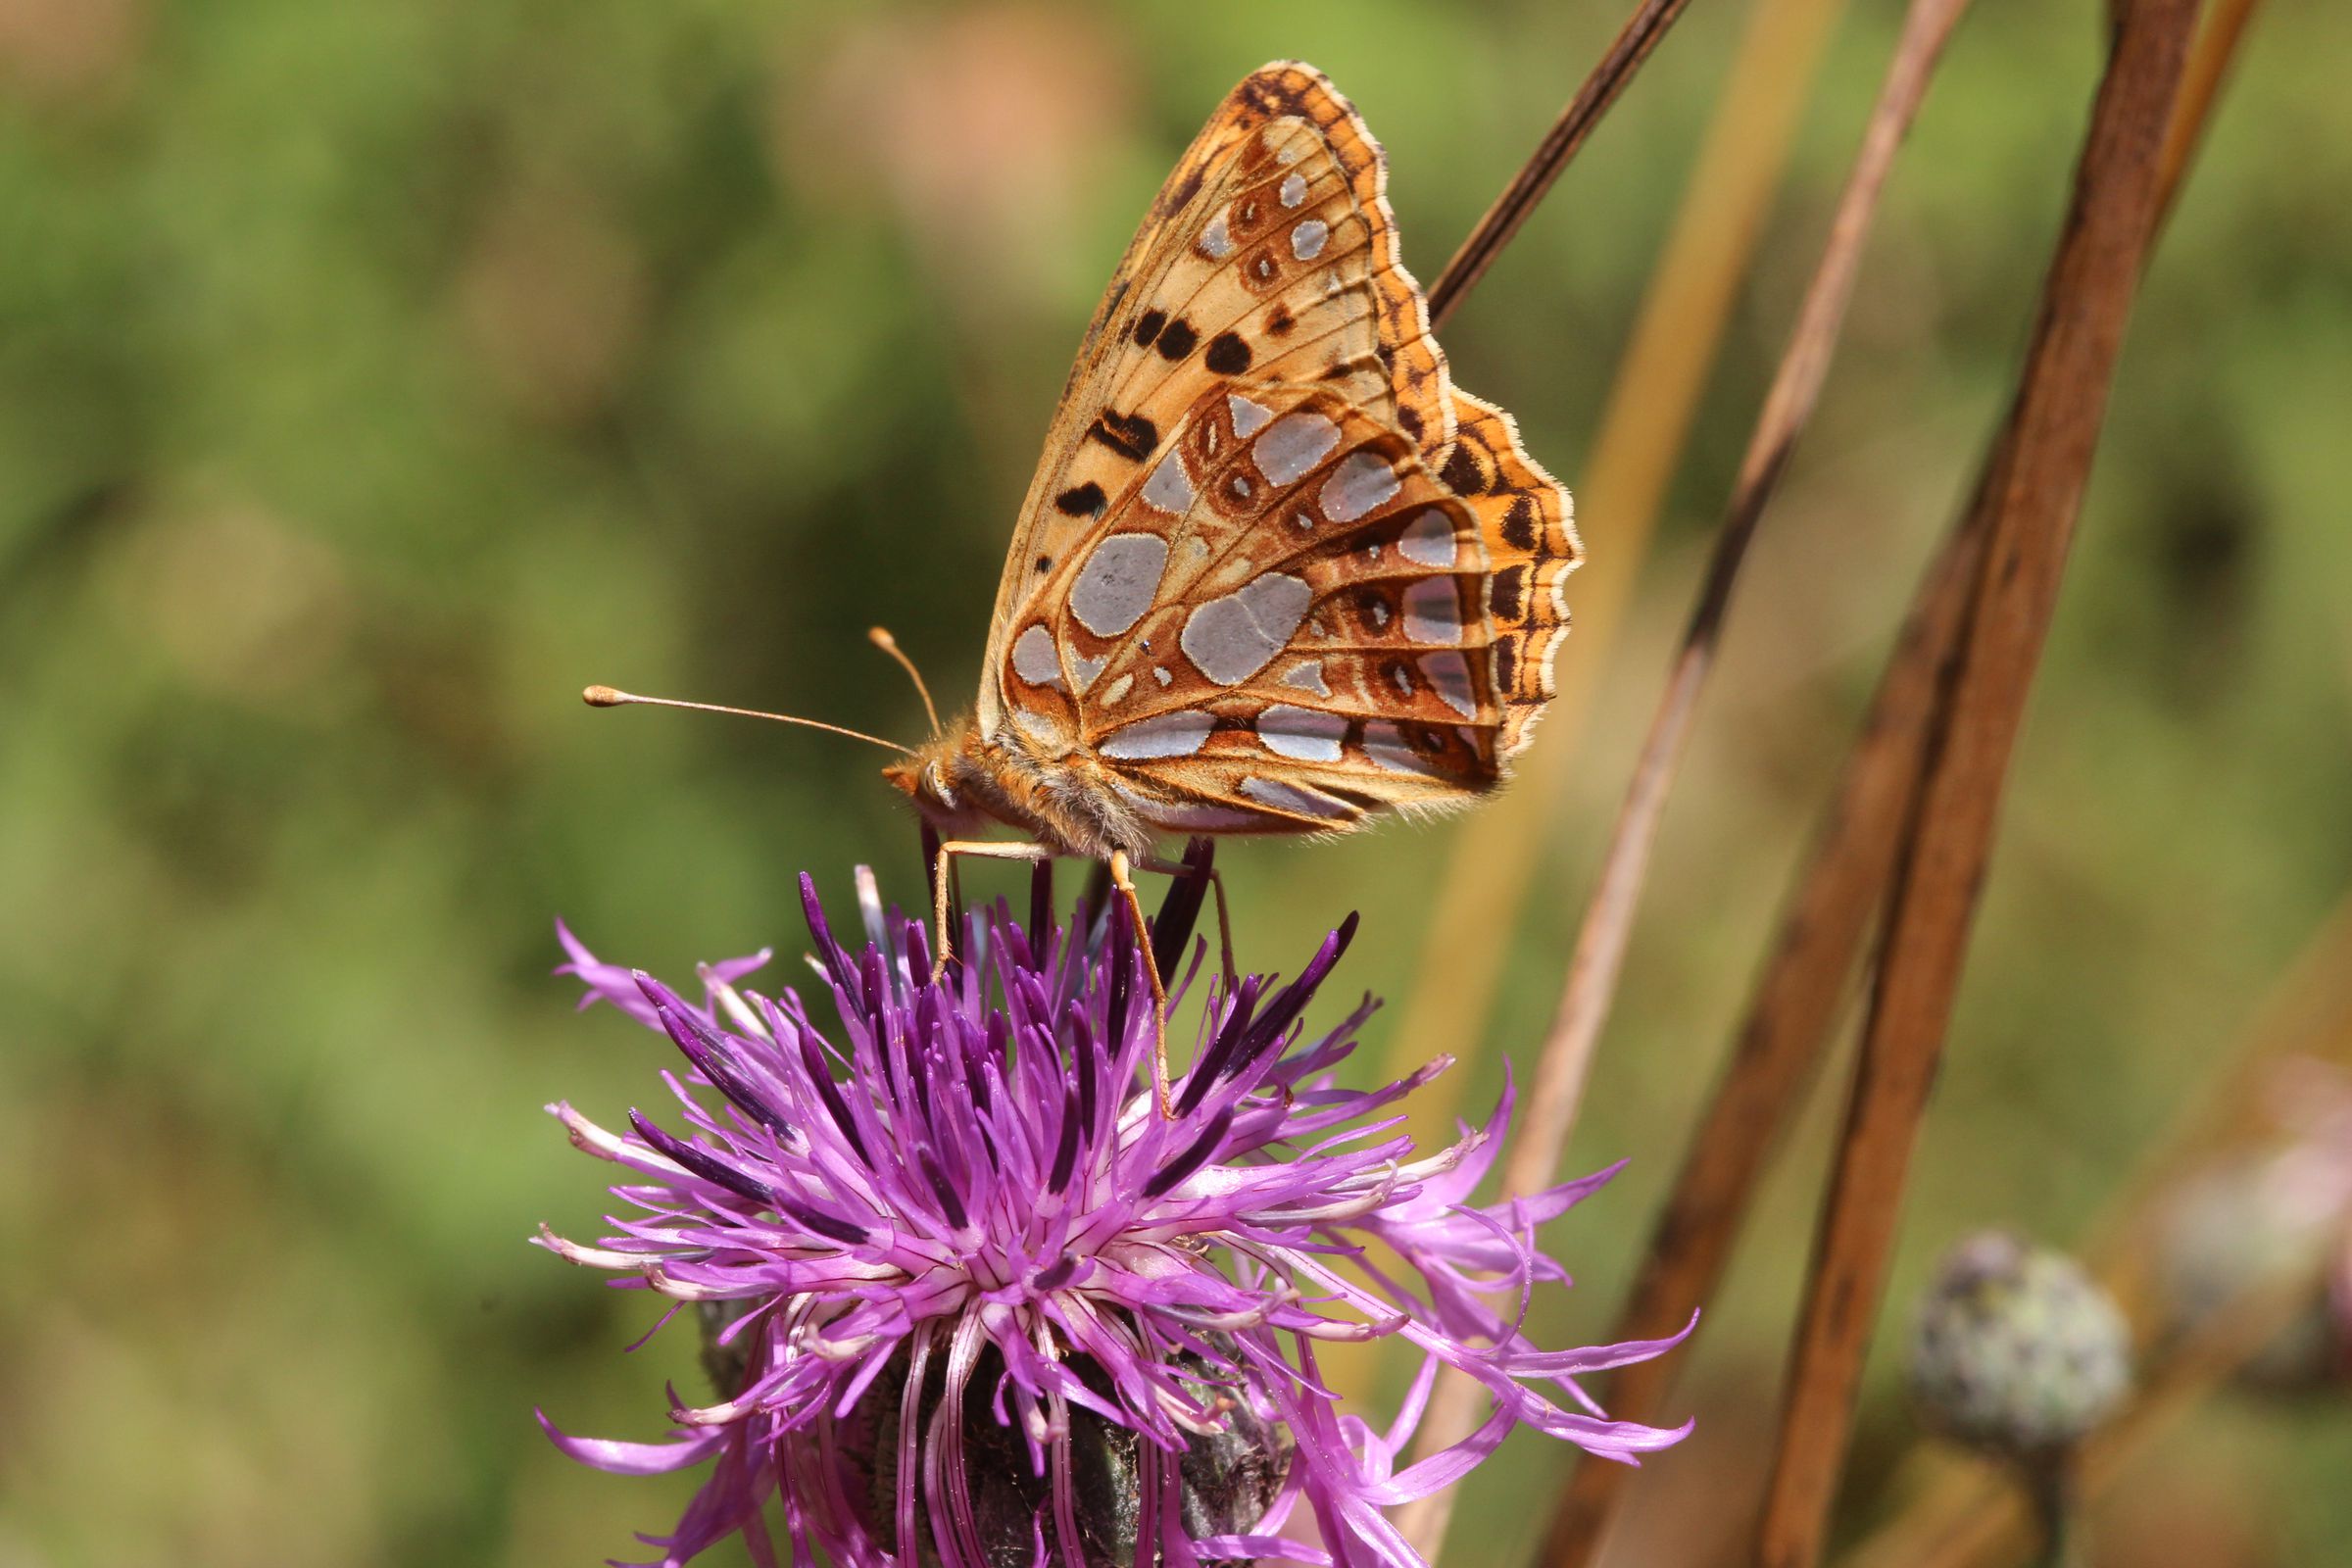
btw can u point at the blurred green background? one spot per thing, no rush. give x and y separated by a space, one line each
374 375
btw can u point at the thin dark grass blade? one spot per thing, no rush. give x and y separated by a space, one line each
1789 1025
1609 75
2053 432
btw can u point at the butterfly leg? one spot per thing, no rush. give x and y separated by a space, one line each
979 850
1122 877
1217 885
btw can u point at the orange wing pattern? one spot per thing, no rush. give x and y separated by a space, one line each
1275 573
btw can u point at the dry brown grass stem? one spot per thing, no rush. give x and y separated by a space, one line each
2209 64
1785 1033
2045 464
1788 402
1789 1020
1562 1069
1652 399
1609 75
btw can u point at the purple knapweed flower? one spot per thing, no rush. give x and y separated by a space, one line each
979 1291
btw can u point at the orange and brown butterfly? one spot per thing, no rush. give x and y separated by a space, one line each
1276 574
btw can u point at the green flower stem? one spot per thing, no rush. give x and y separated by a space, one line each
2057 1507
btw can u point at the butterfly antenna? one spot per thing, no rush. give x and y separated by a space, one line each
607 697
881 638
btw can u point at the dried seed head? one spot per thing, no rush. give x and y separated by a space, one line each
2017 1350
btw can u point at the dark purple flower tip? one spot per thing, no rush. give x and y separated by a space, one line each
961 1242
707 1049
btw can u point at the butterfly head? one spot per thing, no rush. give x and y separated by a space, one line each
934 776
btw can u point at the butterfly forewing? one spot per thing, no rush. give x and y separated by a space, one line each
1269 256
1275 573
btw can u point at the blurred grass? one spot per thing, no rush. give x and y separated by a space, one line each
372 377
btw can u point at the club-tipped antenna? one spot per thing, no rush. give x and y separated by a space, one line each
881 638
607 697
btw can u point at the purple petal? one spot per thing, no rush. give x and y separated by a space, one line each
635 1458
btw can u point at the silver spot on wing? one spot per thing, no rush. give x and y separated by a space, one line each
1292 445
1303 734
1361 482
1306 677
1247 416
1232 638
1433 611
1118 582
1177 734
1297 799
1450 673
1169 488
1385 744
1034 659
1429 539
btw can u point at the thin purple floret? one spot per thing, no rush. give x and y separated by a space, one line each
957 1206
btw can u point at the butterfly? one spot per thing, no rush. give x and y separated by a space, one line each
1276 574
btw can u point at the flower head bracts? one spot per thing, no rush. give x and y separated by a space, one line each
961 1205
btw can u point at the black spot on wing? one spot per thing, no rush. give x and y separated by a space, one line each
1464 475
1148 326
1130 436
1519 523
1508 592
1080 501
1177 339
1227 354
